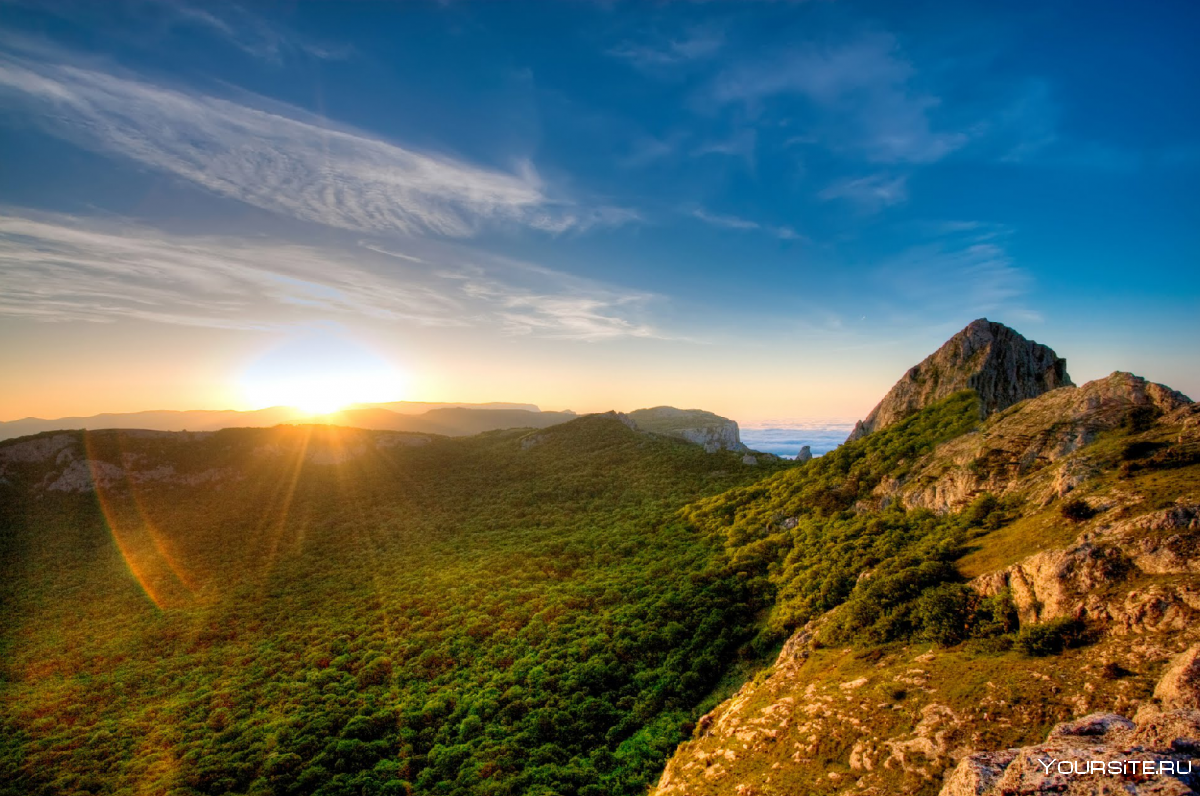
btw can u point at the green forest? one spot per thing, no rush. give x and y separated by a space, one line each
474 616
520 612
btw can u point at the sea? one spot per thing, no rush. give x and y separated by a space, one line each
786 438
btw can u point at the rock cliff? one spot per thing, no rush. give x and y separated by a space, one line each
1083 580
998 363
694 425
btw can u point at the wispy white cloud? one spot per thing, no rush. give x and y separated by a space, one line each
955 276
246 31
861 98
287 163
581 220
147 23
1028 124
696 44
67 268
871 193
64 268
646 149
742 144
735 222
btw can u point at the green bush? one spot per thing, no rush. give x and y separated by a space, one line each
944 613
1051 638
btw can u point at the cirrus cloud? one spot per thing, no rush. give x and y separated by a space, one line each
284 160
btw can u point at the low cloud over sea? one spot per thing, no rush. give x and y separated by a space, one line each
786 438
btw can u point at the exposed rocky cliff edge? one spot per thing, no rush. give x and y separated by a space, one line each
694 425
998 363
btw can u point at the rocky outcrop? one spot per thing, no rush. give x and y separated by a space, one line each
1074 582
1037 433
993 360
711 431
805 454
1103 753
1179 688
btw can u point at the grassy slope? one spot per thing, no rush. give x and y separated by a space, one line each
465 617
876 707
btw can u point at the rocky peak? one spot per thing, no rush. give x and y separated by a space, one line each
1003 367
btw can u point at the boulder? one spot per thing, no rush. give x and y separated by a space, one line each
1179 688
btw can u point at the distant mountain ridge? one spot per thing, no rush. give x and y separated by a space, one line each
998 363
450 419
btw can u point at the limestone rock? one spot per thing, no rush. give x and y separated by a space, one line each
998 363
1103 753
1095 724
1179 688
805 454
38 449
711 431
1055 583
1010 447
1070 581
1062 767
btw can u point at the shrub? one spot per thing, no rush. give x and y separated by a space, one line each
991 645
995 616
1141 418
1077 510
1139 450
943 613
1051 638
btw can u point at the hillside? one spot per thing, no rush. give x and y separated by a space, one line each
322 610
602 606
946 586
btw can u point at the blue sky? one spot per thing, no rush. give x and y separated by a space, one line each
769 209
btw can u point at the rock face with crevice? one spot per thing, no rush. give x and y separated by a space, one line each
993 360
1075 581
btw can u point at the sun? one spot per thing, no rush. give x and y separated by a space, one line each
321 376
321 402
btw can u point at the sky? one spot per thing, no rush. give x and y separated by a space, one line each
769 210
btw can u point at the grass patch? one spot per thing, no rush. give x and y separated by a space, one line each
1044 530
